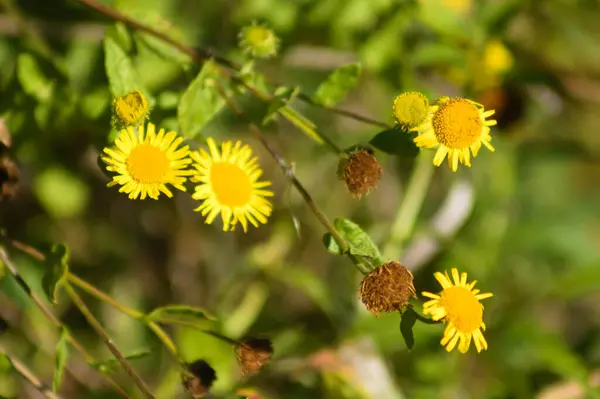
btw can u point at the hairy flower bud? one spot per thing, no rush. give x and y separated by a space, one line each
360 171
387 288
410 109
253 354
130 109
199 378
259 41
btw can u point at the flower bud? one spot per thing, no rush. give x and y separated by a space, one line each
387 288
410 109
130 109
253 354
360 171
259 41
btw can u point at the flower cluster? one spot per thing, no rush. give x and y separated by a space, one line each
144 162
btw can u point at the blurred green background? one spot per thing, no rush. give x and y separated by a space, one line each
523 221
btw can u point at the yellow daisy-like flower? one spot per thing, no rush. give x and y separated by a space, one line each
229 185
458 305
145 163
456 127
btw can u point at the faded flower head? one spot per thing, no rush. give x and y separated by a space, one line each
199 378
458 306
360 171
258 40
457 127
253 354
228 185
145 161
130 109
410 109
387 288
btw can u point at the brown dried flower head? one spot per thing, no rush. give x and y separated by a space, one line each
387 288
9 172
199 378
360 170
253 354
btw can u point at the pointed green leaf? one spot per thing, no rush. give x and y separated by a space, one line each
32 78
179 314
112 364
200 102
360 242
395 141
409 318
56 271
62 356
337 84
122 77
281 98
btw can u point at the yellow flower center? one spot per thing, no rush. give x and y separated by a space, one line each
463 309
231 185
457 123
147 164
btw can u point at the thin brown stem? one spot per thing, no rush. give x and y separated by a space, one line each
29 376
200 55
95 324
47 312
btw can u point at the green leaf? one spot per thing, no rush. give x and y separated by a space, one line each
283 96
200 102
57 269
360 242
179 314
331 245
119 33
112 364
32 79
395 142
62 356
409 318
122 77
337 84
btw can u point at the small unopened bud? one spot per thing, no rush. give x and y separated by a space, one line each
130 109
258 40
253 354
410 109
199 378
387 288
360 171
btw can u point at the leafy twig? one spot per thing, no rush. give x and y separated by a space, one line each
107 341
49 315
30 376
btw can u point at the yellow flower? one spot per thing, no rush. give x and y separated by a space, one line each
229 185
145 164
410 109
456 127
258 40
458 305
130 109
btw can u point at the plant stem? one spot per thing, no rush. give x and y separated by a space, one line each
47 312
201 55
95 324
29 376
405 219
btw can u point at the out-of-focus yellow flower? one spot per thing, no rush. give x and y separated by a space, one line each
229 185
458 306
456 127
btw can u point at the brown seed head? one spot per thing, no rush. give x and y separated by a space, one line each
387 288
9 177
361 172
199 378
253 354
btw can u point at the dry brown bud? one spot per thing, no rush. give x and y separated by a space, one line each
253 354
387 288
361 171
199 378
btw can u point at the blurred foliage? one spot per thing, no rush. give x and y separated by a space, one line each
532 238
